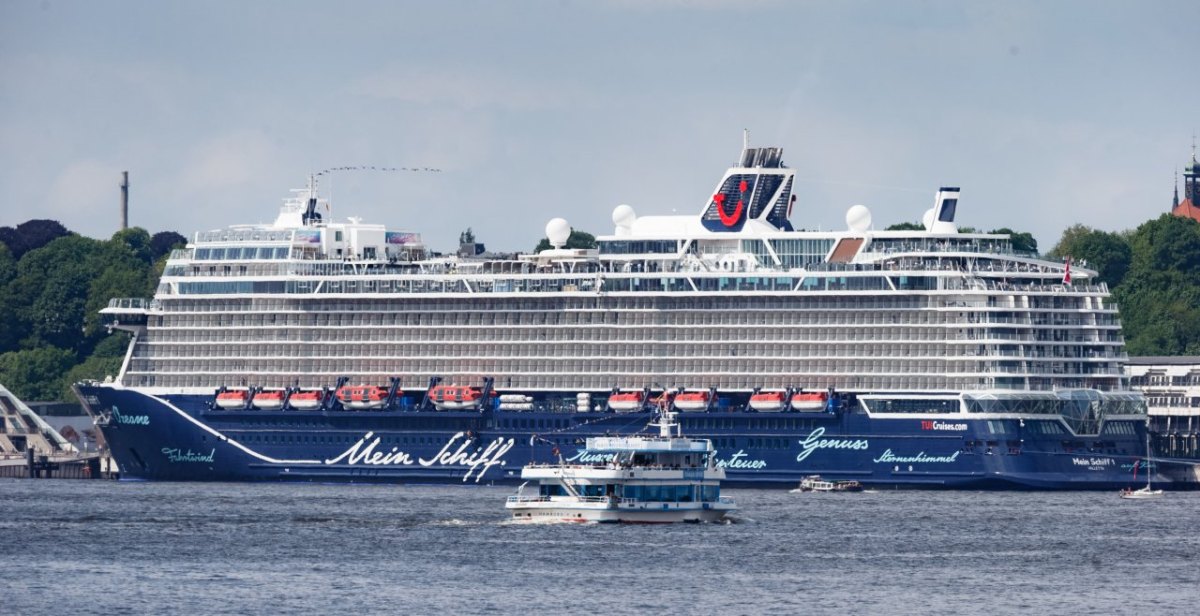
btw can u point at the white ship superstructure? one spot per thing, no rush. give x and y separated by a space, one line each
314 349
733 299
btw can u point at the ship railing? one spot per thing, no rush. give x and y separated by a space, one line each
520 498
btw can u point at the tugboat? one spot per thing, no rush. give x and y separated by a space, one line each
645 480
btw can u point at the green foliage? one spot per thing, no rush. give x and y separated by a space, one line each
1160 294
51 297
92 368
577 239
31 235
1021 241
1108 253
36 374
164 242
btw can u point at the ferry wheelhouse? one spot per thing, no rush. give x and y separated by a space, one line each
913 358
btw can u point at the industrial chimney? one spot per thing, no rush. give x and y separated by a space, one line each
124 200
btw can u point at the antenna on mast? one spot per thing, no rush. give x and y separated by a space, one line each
745 139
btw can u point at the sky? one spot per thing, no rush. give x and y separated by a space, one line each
1046 113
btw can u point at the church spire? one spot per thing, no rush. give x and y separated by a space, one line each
1175 202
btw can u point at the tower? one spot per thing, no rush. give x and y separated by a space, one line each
124 200
1190 206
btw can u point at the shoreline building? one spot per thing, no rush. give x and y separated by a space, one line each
1171 386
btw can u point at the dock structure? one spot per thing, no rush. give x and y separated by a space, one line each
31 447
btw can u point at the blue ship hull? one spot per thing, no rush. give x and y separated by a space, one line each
181 438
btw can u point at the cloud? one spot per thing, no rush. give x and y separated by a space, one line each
228 160
466 89
86 186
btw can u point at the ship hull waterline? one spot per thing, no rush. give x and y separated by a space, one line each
180 438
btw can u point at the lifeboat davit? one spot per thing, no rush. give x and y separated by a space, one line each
235 399
361 397
626 401
268 400
306 400
692 400
455 397
768 401
814 401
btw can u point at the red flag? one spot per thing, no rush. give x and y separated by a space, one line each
1067 272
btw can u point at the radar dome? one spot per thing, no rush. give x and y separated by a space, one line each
623 216
557 231
858 218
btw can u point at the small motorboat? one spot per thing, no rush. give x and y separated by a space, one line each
362 397
810 401
455 397
306 400
268 400
233 399
626 401
692 400
814 483
768 401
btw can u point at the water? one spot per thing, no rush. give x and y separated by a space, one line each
97 547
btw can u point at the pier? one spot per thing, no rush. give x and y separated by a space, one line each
31 447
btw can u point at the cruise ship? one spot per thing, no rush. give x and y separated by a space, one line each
314 349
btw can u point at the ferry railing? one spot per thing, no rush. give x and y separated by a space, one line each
519 498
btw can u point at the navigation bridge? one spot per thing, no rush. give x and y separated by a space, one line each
127 313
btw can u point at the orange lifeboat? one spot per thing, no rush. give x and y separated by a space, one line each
812 401
268 400
455 397
362 397
625 401
768 401
692 400
306 400
235 399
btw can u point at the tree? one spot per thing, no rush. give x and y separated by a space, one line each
1107 253
163 242
906 226
1160 294
1022 241
577 239
134 241
36 374
31 235
50 292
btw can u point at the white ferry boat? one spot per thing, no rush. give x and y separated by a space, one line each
336 350
634 479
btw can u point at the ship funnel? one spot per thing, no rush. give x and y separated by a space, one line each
758 188
941 218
